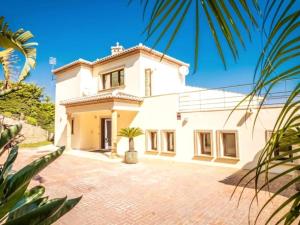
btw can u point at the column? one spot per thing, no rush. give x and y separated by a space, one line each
69 130
114 133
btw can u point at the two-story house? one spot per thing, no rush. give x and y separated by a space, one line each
141 87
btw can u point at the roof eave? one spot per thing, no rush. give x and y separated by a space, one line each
104 100
131 50
72 64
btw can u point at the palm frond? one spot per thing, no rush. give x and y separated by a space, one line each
278 62
7 63
167 18
19 41
130 132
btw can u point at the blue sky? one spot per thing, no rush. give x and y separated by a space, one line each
69 30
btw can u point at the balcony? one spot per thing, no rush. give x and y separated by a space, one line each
229 97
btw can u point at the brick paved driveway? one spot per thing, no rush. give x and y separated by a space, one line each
151 192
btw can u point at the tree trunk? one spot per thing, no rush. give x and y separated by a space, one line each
131 145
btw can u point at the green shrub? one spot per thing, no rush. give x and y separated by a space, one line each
21 203
35 145
7 114
31 120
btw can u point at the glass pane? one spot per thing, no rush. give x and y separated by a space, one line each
72 127
229 144
153 140
115 79
121 77
106 81
205 143
170 140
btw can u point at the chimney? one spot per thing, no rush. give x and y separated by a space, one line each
117 49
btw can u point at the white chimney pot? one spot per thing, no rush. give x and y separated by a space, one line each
117 49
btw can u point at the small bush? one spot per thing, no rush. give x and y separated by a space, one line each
35 145
31 120
7 114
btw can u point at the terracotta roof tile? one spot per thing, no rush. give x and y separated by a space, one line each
95 98
140 47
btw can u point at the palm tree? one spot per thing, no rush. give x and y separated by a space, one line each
20 204
131 133
15 41
278 22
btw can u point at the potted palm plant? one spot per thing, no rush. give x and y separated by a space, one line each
131 156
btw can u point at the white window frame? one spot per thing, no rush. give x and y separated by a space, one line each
267 135
109 72
148 140
163 141
221 145
197 143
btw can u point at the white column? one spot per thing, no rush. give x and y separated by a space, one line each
69 130
114 132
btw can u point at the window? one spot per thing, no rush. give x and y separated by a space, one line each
203 143
72 126
279 150
106 81
229 144
153 138
148 82
113 79
168 141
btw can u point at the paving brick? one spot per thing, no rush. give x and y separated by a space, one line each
154 192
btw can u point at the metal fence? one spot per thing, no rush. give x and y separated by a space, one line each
230 96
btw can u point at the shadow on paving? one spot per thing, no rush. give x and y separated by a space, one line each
273 186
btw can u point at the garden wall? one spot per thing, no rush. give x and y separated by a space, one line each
32 134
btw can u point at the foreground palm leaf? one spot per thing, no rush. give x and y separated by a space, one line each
225 19
7 63
18 205
278 62
18 41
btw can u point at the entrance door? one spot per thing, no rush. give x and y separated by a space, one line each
106 133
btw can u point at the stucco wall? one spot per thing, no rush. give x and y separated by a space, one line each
131 71
165 76
159 113
67 86
83 80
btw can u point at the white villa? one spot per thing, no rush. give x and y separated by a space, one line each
141 87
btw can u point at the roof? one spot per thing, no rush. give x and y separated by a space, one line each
135 49
100 97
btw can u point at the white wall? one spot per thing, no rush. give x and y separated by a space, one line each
159 113
132 78
165 76
67 86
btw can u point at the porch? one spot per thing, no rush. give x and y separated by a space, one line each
93 122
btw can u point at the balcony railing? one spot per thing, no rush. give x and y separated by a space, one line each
230 96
